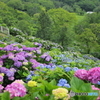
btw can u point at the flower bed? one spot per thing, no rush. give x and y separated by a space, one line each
34 73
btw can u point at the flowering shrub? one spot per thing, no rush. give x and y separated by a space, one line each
28 72
92 75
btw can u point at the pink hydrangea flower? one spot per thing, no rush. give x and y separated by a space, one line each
94 75
95 88
1 78
81 74
1 88
16 90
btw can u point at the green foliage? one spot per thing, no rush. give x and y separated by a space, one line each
5 96
88 39
16 4
79 86
45 22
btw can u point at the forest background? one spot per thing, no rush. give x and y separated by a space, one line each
74 24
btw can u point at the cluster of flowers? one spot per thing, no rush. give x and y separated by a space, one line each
92 75
16 89
53 66
20 57
61 93
63 83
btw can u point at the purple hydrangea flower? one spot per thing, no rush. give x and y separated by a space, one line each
10 55
38 44
16 48
44 55
8 48
4 56
34 63
48 58
10 73
1 62
3 70
17 63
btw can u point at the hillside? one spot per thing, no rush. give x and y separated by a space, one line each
64 22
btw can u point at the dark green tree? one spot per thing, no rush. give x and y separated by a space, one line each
45 25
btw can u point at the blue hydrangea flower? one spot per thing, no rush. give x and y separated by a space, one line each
53 67
67 69
29 77
61 66
32 73
67 85
48 66
42 66
98 83
59 84
75 69
62 81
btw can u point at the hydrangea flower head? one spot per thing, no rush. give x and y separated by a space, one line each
82 74
32 83
67 69
60 93
16 90
63 81
94 75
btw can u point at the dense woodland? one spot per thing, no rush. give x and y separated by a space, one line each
65 22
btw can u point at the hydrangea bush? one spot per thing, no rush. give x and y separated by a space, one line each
36 73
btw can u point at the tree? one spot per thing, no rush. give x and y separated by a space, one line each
63 23
95 28
33 8
16 4
45 24
88 41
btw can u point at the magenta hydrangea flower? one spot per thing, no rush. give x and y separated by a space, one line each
16 90
94 75
82 74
